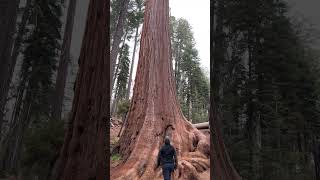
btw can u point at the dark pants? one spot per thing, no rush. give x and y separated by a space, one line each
167 170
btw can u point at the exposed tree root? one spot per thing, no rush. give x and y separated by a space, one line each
193 155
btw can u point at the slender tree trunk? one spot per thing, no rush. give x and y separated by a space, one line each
189 104
218 54
155 110
115 99
177 68
253 114
132 62
117 37
124 122
117 69
83 155
15 53
64 62
316 158
8 19
12 144
18 44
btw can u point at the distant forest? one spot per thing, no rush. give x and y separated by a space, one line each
267 88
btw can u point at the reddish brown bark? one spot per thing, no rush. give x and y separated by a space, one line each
83 154
155 111
64 62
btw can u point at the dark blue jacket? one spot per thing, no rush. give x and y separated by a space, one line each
167 154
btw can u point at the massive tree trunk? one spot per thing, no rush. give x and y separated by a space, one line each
117 37
83 154
222 167
64 62
155 111
8 18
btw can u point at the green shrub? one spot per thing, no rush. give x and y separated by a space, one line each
41 148
123 107
115 157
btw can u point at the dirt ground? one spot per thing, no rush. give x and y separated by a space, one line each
114 131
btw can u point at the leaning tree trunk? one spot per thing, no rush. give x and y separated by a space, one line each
117 37
132 62
12 144
8 18
83 154
155 111
64 62
316 159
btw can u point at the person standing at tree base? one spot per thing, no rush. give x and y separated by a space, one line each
167 158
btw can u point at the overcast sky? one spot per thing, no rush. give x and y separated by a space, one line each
197 13
309 9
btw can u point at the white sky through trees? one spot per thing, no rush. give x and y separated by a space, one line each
197 13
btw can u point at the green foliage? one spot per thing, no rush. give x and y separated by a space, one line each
42 146
41 140
123 75
40 55
271 81
123 107
115 157
192 85
134 18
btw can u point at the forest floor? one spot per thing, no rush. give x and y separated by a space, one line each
115 159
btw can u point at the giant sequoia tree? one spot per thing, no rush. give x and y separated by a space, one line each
83 154
155 111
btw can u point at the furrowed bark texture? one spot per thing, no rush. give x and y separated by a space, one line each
155 111
83 154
